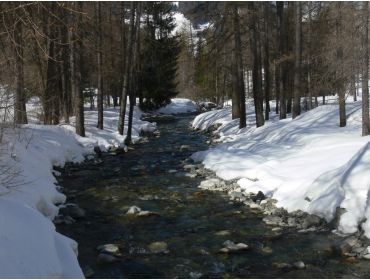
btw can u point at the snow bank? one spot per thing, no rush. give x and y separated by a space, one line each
30 246
309 163
179 106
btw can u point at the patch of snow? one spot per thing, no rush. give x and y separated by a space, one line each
30 246
179 106
309 163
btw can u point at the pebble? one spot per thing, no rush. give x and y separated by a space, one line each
231 247
282 265
108 248
299 265
158 247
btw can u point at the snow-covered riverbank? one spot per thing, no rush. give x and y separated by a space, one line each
30 246
309 163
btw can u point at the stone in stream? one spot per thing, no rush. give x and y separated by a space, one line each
158 247
147 214
231 247
106 258
281 265
133 210
299 265
184 148
108 249
72 210
223 232
273 220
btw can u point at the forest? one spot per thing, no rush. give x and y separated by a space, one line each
67 52
191 139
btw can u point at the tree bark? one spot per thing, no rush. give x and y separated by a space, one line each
128 71
75 65
282 63
256 72
134 75
99 64
20 115
340 75
297 60
267 63
239 73
365 74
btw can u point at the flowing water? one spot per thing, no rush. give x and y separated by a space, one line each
192 222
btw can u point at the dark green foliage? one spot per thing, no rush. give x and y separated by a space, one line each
160 52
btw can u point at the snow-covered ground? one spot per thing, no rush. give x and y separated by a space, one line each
308 163
179 106
30 246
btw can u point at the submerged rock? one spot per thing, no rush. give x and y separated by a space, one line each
282 265
231 247
299 265
133 210
73 210
184 148
108 249
158 247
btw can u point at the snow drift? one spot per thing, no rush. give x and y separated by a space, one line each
308 163
30 246
179 106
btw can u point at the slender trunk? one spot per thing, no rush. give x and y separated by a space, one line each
365 74
128 71
267 63
100 65
239 73
76 81
309 87
339 78
134 75
256 72
297 60
20 115
282 64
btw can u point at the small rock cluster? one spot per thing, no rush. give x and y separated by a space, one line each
136 211
108 253
69 213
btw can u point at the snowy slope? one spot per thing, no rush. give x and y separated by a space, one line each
179 106
309 163
30 246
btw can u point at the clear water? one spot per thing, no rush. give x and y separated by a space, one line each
192 222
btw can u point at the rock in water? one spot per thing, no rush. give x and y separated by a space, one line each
158 247
231 247
282 265
108 249
299 265
184 148
73 210
133 210
147 214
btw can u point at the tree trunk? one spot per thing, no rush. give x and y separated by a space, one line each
282 64
99 64
365 74
256 72
340 75
267 63
297 60
239 73
20 115
75 65
128 71
134 75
